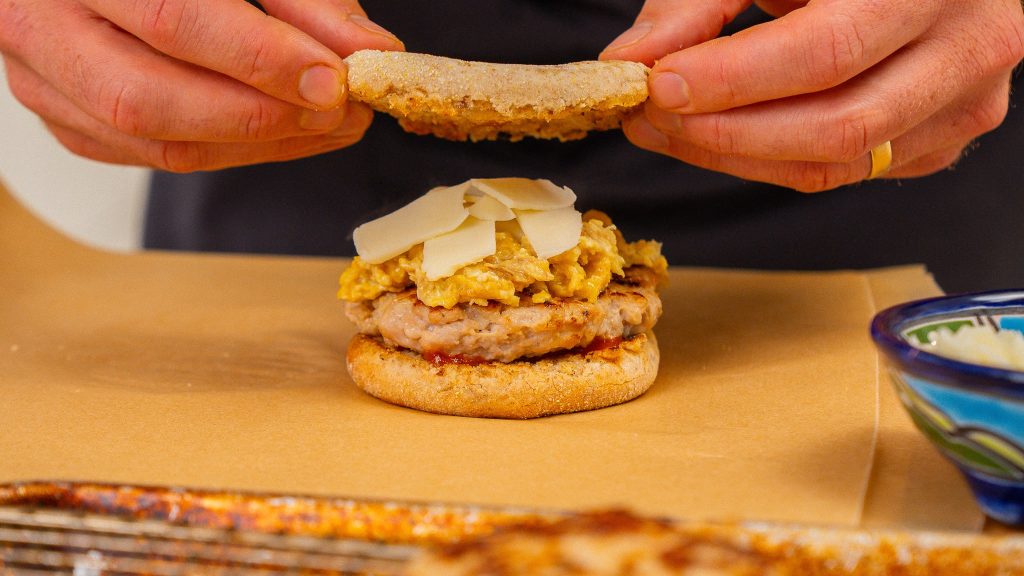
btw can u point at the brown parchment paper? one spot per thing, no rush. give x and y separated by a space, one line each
910 486
213 371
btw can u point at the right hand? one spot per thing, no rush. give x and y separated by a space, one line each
185 85
802 101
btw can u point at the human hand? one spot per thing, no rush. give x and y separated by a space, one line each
801 101
186 85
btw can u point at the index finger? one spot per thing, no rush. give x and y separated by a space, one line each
341 25
665 26
238 40
808 50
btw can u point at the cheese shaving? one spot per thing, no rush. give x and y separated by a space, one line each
526 194
439 211
551 232
471 242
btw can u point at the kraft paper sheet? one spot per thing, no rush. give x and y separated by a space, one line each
214 371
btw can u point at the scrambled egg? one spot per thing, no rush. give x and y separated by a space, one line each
513 272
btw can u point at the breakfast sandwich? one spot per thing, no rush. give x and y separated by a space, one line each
497 298
460 100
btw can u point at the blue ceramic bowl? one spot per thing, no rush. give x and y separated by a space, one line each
973 414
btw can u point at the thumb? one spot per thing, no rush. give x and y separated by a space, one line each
666 26
341 25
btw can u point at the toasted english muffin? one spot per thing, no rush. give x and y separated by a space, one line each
526 388
460 100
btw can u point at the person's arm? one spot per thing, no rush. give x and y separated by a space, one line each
185 85
801 101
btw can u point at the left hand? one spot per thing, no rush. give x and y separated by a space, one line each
186 85
800 101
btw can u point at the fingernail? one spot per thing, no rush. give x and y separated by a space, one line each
631 36
665 121
371 26
669 91
322 120
321 86
644 135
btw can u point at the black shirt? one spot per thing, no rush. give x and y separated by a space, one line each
963 224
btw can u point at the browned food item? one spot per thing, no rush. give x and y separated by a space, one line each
507 333
556 384
614 543
611 543
458 540
460 100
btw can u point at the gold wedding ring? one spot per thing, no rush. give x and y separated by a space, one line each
881 159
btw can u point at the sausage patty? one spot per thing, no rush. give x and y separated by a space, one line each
506 333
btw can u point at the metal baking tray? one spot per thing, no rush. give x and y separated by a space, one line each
89 529
93 529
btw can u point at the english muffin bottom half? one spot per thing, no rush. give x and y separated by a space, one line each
559 383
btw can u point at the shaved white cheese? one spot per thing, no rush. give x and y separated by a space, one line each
488 208
471 242
436 212
510 227
551 232
457 224
466 188
525 194
472 193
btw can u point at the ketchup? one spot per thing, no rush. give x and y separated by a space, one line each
601 344
440 358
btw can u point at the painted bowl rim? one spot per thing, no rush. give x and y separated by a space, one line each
888 324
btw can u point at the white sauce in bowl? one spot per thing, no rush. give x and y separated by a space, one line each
978 345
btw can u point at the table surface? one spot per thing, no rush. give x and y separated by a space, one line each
217 371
